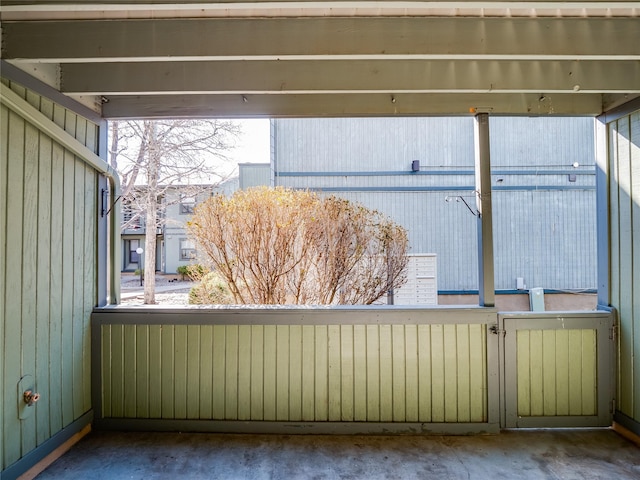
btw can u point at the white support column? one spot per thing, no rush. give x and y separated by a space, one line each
486 287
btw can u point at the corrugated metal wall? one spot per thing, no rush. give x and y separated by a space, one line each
254 174
624 214
48 215
544 223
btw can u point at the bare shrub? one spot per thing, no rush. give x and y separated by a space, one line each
211 289
283 246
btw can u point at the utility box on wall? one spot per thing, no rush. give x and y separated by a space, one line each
422 281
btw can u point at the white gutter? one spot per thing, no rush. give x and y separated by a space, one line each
13 101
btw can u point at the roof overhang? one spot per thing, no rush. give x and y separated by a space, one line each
299 58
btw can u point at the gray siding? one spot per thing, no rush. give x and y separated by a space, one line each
624 214
48 232
544 224
254 174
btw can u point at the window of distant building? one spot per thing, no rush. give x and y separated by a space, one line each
187 249
134 257
187 204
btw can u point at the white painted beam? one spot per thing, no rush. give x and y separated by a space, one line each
51 10
361 104
323 38
336 76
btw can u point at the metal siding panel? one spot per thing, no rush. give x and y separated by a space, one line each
254 175
552 233
375 144
541 141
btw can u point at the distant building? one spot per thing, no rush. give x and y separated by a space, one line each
420 172
174 247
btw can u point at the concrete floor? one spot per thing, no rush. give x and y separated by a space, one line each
540 454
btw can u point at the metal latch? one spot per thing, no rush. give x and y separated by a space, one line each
495 329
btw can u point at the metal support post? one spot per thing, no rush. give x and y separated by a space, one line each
486 287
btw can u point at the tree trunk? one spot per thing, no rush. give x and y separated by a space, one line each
150 255
151 219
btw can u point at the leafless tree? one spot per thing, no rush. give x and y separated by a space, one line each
154 156
283 246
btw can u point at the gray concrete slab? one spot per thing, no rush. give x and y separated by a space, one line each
539 454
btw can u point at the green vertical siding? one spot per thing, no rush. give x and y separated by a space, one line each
48 205
376 373
624 214
556 372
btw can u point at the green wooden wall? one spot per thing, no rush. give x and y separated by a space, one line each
624 214
557 372
345 373
48 205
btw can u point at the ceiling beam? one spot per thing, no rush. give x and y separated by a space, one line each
306 38
334 76
118 9
360 104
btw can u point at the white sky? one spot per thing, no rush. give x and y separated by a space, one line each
253 145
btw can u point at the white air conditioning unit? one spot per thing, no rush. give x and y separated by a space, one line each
536 299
